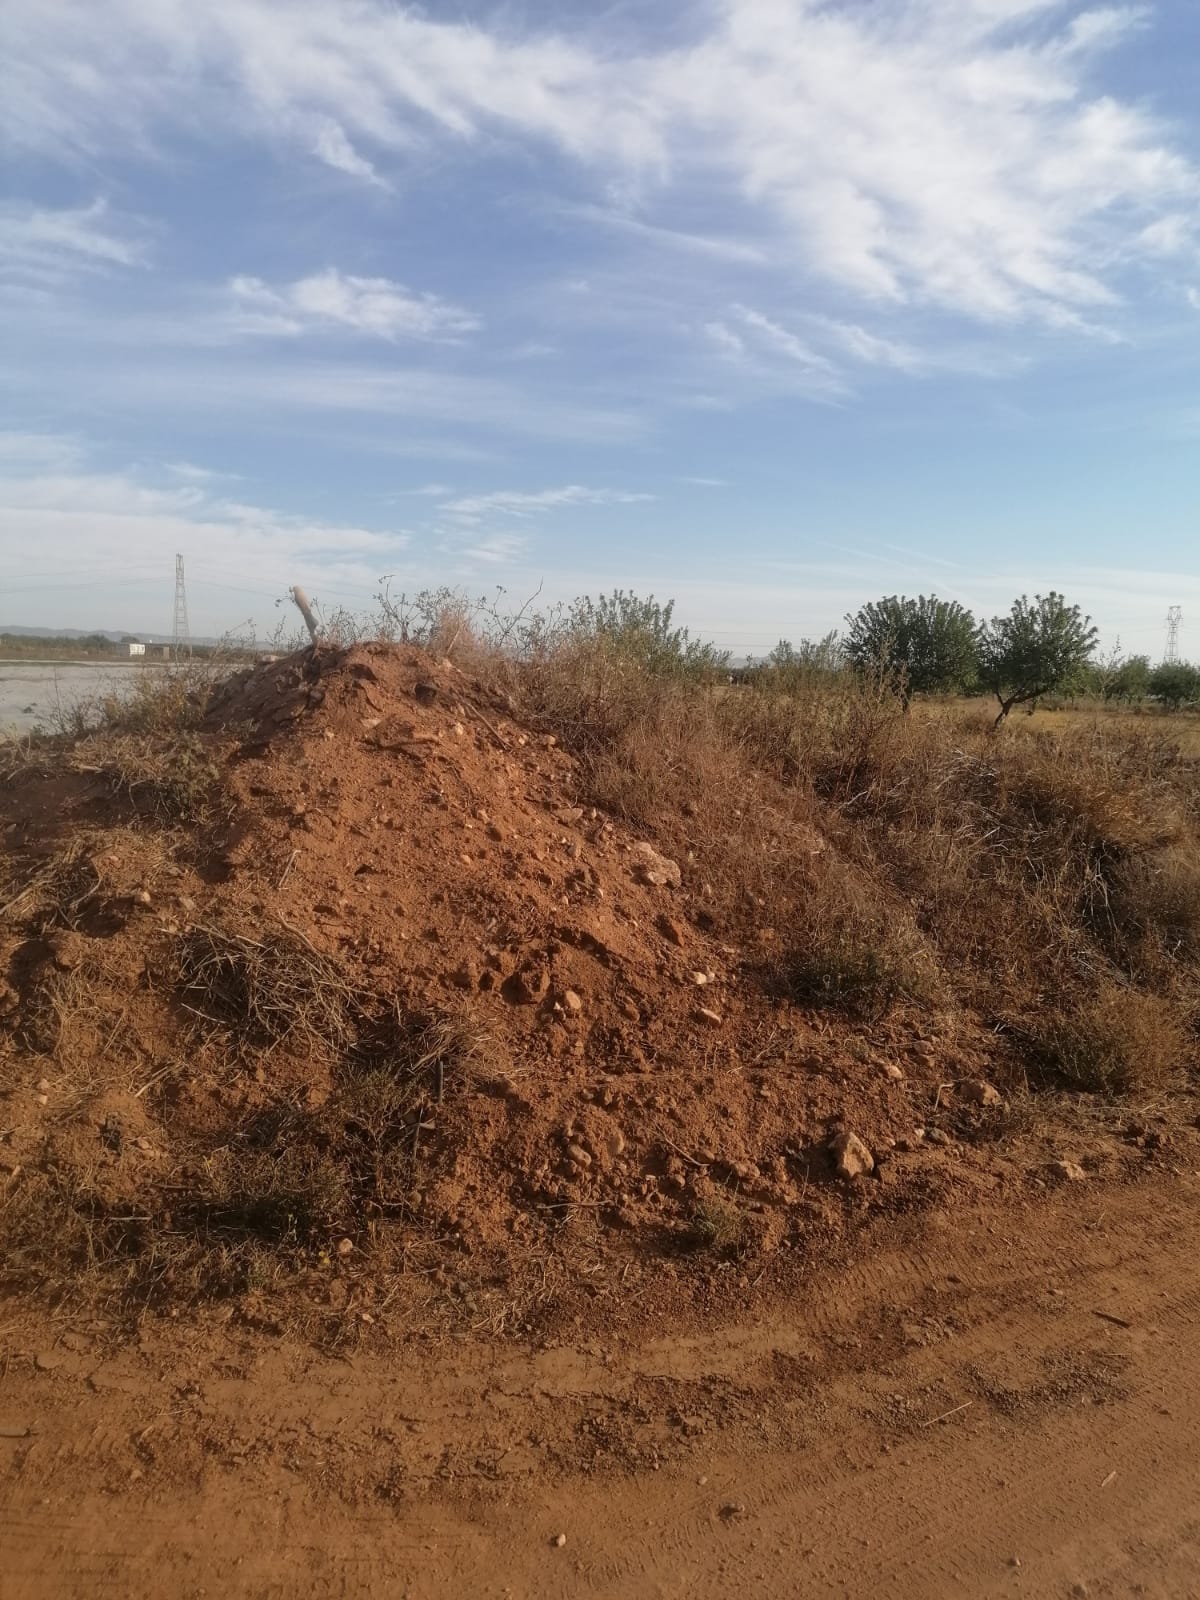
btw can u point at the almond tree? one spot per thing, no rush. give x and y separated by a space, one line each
1038 648
921 646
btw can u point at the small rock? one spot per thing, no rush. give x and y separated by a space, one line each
43 1085
142 897
699 979
496 832
47 1360
851 1156
1067 1171
559 1540
568 815
629 1009
614 1143
579 1154
186 903
713 1018
979 1093
671 929
43 1099
732 1508
936 1136
345 1247
658 871
892 1071
572 1001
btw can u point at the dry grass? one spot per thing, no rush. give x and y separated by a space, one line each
717 1226
167 779
879 857
265 991
130 1202
1114 1042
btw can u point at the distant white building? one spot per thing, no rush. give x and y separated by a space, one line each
136 649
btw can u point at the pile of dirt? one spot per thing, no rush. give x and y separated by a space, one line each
403 988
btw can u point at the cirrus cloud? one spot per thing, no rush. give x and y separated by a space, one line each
944 153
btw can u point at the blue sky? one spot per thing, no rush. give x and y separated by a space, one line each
772 306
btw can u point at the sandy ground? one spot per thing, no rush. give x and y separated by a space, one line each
995 1404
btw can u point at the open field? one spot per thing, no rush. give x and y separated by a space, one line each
1182 727
444 1096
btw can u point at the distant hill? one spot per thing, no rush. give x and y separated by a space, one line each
113 635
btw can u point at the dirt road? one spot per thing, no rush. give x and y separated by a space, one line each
980 1407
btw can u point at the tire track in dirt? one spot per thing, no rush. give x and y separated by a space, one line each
836 1482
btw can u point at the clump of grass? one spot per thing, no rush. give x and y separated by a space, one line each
1156 899
716 1226
853 952
285 1193
267 990
167 779
1119 1041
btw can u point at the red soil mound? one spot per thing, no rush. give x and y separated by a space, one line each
391 834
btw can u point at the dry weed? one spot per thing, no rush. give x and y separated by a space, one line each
1113 1042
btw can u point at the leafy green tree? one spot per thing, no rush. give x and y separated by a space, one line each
1175 683
1131 681
921 646
1038 648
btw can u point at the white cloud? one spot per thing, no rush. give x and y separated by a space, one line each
726 340
946 153
114 524
782 341
39 451
45 246
871 348
374 306
472 509
336 151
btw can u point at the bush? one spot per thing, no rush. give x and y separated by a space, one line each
1115 1042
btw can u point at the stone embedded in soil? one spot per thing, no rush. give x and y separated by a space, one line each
979 1093
892 1071
671 928
851 1156
658 871
572 1001
713 1018
1066 1171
